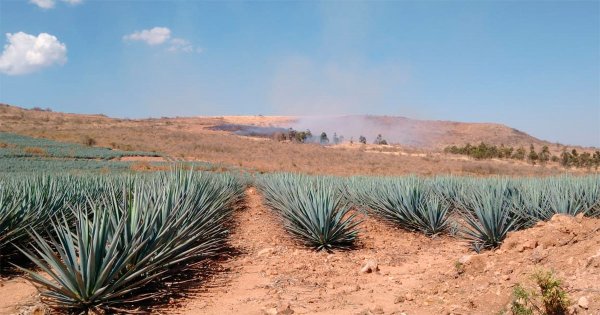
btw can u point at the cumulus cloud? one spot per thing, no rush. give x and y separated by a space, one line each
182 45
154 36
44 4
49 4
162 35
25 53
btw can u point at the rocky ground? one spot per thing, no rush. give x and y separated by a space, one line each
391 272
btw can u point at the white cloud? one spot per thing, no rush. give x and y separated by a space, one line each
182 45
44 4
49 4
154 36
162 35
25 53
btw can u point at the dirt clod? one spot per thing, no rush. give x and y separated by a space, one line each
370 266
583 302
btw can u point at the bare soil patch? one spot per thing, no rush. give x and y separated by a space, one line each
142 159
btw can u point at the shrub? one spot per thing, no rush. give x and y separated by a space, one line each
88 141
549 298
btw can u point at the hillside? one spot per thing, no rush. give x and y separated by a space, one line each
200 139
430 134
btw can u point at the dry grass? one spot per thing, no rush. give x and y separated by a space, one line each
188 138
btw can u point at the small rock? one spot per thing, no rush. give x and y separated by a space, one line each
465 259
506 278
285 309
593 262
531 244
583 302
399 299
265 251
377 310
370 266
270 311
560 218
409 297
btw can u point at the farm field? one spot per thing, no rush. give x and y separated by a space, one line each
282 243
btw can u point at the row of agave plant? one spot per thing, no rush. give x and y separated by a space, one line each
97 242
318 210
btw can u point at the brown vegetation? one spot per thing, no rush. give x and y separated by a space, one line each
189 139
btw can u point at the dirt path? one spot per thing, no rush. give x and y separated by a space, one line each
274 273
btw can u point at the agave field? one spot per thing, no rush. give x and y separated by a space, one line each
99 242
321 211
13 145
96 242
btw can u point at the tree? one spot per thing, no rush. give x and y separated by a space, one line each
309 134
532 156
596 159
585 160
566 159
336 139
323 139
379 140
291 134
362 139
519 154
544 155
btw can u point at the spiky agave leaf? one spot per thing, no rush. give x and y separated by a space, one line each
431 215
28 203
488 215
140 231
312 210
409 202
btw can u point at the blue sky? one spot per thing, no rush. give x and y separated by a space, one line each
533 65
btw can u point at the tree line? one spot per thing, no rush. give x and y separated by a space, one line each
307 137
567 158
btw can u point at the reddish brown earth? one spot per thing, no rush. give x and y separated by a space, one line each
417 275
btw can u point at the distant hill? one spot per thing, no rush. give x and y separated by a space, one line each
418 133
427 134
227 142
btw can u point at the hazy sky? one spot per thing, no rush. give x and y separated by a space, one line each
533 65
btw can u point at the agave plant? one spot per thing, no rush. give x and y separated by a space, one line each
28 203
488 215
312 210
409 202
530 203
140 231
